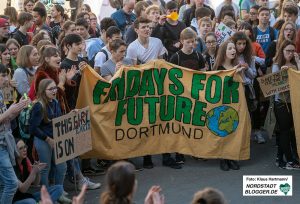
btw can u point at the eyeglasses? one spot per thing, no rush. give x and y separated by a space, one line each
211 42
54 88
290 51
288 29
23 147
252 13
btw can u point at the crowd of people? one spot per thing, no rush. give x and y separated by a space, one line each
42 52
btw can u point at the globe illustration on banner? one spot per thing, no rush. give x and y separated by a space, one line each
222 120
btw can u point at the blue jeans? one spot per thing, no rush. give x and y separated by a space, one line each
8 178
54 191
46 155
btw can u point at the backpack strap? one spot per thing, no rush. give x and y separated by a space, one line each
272 34
255 32
178 58
106 54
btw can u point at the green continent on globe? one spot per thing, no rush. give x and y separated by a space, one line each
227 120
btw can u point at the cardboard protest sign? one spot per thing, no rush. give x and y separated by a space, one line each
160 107
8 93
294 81
223 33
274 83
72 135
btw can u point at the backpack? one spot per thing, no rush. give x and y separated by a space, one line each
92 61
272 33
24 122
178 57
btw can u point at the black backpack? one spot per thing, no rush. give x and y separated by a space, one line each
92 61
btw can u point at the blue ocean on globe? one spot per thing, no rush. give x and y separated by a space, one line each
222 120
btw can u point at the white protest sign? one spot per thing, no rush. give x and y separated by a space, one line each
223 33
72 135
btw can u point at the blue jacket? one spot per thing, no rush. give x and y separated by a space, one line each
37 126
123 20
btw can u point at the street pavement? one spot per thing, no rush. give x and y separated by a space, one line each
180 185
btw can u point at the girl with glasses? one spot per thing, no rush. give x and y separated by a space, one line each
286 58
46 108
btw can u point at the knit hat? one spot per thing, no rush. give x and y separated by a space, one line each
3 22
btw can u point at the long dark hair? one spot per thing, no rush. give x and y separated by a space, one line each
120 181
279 57
248 51
221 56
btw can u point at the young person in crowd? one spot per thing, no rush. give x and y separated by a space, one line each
13 46
5 57
286 58
45 108
68 28
122 184
25 21
139 10
124 17
8 148
226 13
226 3
226 60
199 13
142 50
39 16
153 14
204 26
187 56
160 3
4 30
94 27
184 7
211 52
287 31
28 5
92 45
169 30
29 174
27 61
290 13
245 8
112 33
105 23
58 16
41 35
190 13
49 67
117 59
246 58
72 46
85 8
253 16
264 33
12 13
84 15
209 196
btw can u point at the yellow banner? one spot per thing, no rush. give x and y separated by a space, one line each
294 82
160 107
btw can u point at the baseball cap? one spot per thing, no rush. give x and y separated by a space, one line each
3 22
